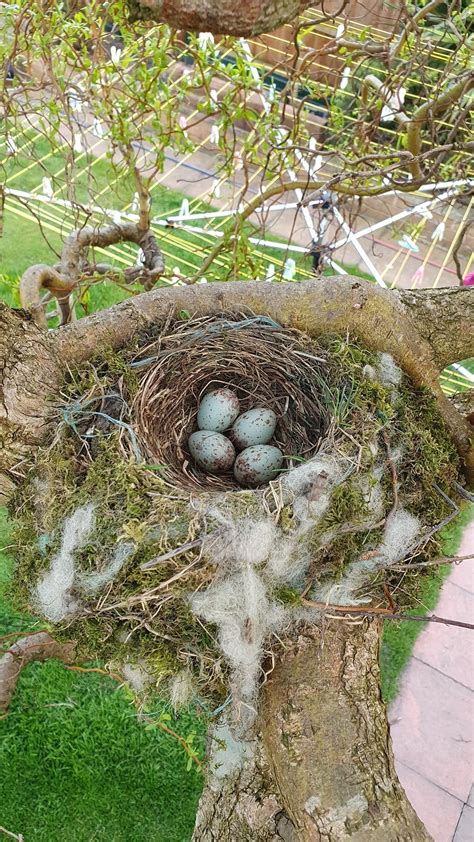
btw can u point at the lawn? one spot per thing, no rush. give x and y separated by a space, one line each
92 182
75 763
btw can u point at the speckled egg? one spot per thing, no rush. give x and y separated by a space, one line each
257 464
211 451
253 427
218 410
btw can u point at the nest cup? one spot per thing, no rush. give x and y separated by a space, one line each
265 364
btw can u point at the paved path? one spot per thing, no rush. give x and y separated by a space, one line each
432 719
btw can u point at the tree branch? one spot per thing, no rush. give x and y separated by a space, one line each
222 17
33 647
43 277
445 318
61 281
431 109
33 361
377 317
414 123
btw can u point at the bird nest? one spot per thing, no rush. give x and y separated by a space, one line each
124 544
263 363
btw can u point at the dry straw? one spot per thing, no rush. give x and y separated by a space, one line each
265 364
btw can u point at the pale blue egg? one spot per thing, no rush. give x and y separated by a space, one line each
211 451
218 410
256 426
257 464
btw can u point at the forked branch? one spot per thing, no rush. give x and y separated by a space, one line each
60 281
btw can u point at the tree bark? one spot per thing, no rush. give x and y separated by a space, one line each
222 17
30 373
444 318
320 768
60 281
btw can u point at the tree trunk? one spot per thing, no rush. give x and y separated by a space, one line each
30 373
222 17
321 766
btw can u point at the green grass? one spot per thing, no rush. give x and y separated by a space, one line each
399 638
94 182
75 763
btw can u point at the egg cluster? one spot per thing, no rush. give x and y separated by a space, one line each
249 433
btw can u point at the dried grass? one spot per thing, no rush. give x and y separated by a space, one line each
263 363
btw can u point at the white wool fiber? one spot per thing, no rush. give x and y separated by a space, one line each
254 540
53 589
90 583
390 373
242 541
181 689
288 561
240 608
228 753
136 676
310 487
369 372
400 534
252 556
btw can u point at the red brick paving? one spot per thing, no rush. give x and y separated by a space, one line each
432 719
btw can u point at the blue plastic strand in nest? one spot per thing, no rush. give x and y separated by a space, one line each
76 410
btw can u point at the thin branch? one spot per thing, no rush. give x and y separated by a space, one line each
384 613
420 565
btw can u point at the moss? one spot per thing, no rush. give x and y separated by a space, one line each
144 615
286 519
348 505
107 370
287 595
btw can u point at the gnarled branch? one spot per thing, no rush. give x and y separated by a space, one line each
414 123
34 647
60 281
34 362
331 305
445 318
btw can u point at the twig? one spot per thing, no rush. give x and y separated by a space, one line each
457 559
150 565
463 492
393 472
389 596
189 751
114 675
385 614
20 634
18 836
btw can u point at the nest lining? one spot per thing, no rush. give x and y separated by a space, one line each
263 363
